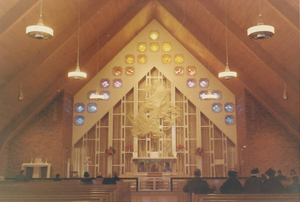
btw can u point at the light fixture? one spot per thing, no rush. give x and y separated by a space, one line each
105 83
39 31
208 95
21 93
227 74
77 74
260 31
285 94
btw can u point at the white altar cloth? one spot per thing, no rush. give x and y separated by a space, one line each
37 168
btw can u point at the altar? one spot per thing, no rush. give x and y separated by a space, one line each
154 164
37 168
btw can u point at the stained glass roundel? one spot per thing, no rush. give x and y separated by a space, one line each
217 107
203 83
191 83
92 107
229 107
79 120
79 107
229 120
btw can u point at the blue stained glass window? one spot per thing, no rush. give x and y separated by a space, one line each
229 120
202 93
79 107
229 107
203 83
191 83
92 107
217 107
79 120
105 94
218 93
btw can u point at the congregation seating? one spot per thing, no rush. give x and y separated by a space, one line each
218 197
69 190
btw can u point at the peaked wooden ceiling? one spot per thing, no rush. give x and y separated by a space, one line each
263 66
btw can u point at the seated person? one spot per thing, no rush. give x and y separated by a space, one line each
116 178
232 185
253 185
86 178
99 175
21 177
108 179
294 187
197 185
272 185
280 176
57 177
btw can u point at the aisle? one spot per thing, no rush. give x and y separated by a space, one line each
153 196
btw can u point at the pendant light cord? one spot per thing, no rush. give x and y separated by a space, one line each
226 33
78 32
260 18
41 9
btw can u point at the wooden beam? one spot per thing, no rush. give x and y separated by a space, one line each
287 11
250 85
16 13
252 45
117 30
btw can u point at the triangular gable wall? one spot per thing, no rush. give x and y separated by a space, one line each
154 59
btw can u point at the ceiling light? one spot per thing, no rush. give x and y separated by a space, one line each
77 74
97 96
260 31
39 31
209 96
227 74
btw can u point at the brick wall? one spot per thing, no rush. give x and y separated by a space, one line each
269 143
42 138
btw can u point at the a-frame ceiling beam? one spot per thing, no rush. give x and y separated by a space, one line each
287 11
15 14
56 43
252 45
134 16
250 85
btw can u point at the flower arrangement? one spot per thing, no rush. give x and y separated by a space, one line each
180 146
129 147
110 151
199 151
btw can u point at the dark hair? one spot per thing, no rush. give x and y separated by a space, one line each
197 172
86 174
57 175
279 171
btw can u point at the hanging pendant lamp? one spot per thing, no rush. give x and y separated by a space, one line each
39 31
21 93
285 94
260 31
77 74
208 95
227 74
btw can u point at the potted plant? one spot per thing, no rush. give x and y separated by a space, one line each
199 151
129 147
110 151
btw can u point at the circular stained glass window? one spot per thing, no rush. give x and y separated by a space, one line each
191 71
217 107
117 71
166 59
92 107
142 47
129 71
203 83
191 83
142 59
154 47
79 107
166 47
105 83
154 35
229 107
79 120
179 70
229 120
129 59
117 83
178 59
105 95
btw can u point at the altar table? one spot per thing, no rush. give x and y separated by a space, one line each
37 168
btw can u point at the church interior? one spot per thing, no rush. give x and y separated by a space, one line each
135 87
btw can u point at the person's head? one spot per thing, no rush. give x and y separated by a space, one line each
279 172
197 172
57 175
108 175
255 171
86 174
295 179
116 174
232 174
270 172
22 172
263 177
